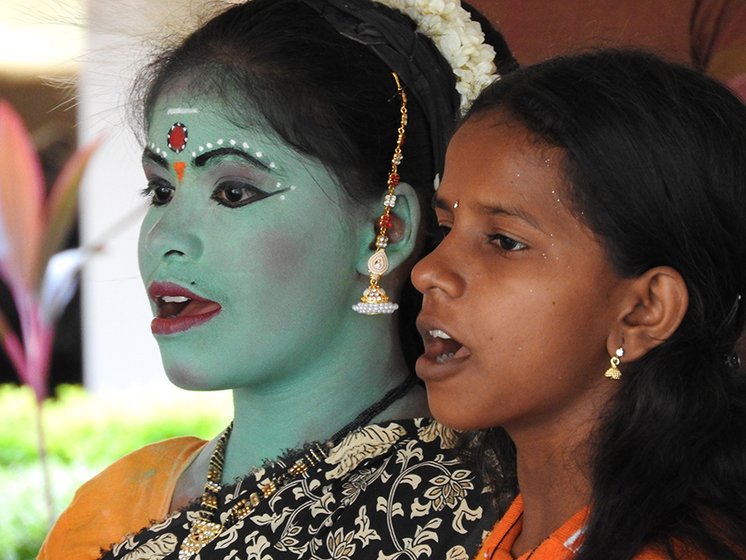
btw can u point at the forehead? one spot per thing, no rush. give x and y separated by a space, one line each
497 163
500 154
182 125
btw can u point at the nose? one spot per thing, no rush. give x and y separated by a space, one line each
169 233
439 271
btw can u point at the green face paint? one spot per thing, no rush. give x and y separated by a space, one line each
248 249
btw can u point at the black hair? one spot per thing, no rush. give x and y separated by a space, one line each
326 95
655 159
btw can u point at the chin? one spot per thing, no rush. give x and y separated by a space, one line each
460 414
188 379
449 414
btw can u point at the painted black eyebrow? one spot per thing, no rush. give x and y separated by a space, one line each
150 155
202 159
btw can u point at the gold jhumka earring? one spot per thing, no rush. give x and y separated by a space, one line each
614 372
374 300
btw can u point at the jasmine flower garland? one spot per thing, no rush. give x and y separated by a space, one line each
460 40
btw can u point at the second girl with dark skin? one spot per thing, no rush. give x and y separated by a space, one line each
581 312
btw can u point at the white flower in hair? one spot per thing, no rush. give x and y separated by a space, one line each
460 40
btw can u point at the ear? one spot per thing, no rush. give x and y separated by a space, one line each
405 224
655 305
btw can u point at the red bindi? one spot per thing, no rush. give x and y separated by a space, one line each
177 137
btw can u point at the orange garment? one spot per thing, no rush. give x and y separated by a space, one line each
122 499
560 545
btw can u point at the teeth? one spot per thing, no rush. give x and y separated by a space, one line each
443 358
437 333
174 299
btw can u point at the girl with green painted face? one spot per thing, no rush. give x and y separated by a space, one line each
290 148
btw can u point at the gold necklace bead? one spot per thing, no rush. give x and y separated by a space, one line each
254 499
299 467
269 488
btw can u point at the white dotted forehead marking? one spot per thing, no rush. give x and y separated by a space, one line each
219 142
278 185
292 187
158 151
282 197
182 111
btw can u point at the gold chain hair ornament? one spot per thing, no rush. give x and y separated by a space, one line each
374 300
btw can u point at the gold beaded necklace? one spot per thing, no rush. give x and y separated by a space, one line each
207 527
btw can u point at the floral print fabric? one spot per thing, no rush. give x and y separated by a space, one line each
389 491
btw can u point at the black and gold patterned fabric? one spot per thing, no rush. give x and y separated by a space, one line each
389 491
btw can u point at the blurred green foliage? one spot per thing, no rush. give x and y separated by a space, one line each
84 434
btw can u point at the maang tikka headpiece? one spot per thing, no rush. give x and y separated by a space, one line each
443 75
375 301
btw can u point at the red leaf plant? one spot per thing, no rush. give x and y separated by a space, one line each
41 279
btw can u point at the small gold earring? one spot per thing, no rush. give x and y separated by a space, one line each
613 372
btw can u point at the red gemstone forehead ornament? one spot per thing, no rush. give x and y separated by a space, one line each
177 137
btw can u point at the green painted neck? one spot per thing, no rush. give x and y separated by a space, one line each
312 404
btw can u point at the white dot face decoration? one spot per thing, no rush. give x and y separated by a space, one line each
240 224
177 137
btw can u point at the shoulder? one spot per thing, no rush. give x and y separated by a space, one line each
124 497
151 465
424 437
401 476
148 469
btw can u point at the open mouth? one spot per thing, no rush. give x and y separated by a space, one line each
169 307
178 309
442 347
